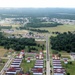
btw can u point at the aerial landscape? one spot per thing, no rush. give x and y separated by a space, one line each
38 38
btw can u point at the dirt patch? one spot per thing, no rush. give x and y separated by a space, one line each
40 42
2 51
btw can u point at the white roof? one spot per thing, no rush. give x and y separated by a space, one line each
38 66
11 72
58 74
57 66
36 73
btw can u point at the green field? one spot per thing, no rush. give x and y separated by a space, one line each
2 63
27 66
38 48
61 28
70 68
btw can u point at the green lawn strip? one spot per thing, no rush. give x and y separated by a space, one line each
64 53
27 66
63 56
29 55
38 48
2 63
70 68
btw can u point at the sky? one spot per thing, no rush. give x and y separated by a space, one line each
38 3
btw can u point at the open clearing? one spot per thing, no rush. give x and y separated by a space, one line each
2 64
61 28
2 51
70 68
8 24
20 32
27 66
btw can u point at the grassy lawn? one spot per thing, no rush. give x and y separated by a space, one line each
65 56
2 64
40 42
61 28
13 25
29 55
2 51
70 68
19 32
64 53
27 66
38 48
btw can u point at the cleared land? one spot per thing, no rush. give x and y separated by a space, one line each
2 51
2 63
61 28
40 42
19 32
8 24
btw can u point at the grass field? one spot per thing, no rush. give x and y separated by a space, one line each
40 42
61 28
13 25
38 48
19 32
70 68
27 66
2 51
65 56
64 53
2 64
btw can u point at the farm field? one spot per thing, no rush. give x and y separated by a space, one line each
61 28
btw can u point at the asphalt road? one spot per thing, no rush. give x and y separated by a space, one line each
47 56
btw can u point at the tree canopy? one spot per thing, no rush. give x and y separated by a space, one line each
64 41
16 43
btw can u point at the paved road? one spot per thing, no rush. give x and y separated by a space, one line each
47 56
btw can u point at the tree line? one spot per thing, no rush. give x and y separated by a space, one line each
63 42
39 24
16 43
35 30
38 30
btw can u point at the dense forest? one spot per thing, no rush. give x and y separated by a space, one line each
16 43
63 42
